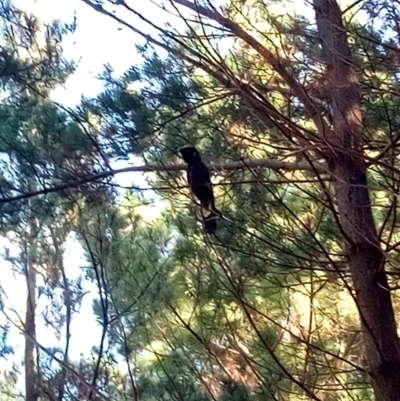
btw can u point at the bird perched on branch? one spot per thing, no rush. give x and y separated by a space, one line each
198 177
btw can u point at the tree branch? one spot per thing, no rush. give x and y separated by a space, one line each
273 164
268 56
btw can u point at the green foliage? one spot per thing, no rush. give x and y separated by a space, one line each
40 146
262 309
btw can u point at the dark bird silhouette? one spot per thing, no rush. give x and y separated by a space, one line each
198 177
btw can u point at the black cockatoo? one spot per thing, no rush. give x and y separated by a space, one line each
198 177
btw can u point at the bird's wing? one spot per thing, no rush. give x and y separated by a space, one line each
201 174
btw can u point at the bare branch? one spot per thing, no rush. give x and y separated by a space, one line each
273 164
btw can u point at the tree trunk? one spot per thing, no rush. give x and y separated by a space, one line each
31 391
365 256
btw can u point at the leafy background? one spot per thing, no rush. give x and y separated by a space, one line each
264 309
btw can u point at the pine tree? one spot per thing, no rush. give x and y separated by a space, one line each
290 91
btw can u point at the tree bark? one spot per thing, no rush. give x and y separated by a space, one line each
366 259
31 390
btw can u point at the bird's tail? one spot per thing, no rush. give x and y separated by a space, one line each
209 214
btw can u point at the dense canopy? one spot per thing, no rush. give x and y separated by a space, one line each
294 109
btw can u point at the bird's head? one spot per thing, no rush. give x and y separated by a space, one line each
190 154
